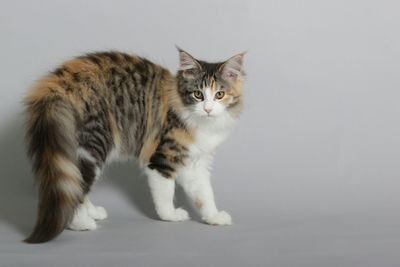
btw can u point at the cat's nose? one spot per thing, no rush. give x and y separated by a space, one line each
208 110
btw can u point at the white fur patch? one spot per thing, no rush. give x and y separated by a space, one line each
86 215
210 132
163 190
97 173
96 212
195 180
82 221
209 101
220 218
83 153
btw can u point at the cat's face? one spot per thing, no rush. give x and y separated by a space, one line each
210 90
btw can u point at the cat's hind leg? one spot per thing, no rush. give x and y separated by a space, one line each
82 221
86 214
96 212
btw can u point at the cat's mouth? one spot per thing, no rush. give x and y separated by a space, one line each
209 116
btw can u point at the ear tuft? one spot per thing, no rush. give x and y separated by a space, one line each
188 64
232 69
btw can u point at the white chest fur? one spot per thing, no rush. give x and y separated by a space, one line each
209 135
206 141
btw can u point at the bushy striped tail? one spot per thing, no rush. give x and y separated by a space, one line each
52 143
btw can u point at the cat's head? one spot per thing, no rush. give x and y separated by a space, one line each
211 90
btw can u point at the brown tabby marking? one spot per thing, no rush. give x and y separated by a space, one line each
100 102
198 203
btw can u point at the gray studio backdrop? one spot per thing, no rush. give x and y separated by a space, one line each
311 172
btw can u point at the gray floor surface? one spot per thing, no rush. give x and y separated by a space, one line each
282 228
131 236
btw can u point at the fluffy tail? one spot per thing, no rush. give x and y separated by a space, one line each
52 143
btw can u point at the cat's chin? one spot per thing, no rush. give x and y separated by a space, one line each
196 120
208 117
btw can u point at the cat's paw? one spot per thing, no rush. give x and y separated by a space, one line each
220 218
175 215
82 222
97 212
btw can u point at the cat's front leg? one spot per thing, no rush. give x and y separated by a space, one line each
163 190
195 180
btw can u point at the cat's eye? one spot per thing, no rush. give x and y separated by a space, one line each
198 94
219 94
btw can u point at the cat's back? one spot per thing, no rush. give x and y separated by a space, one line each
99 77
107 67
119 96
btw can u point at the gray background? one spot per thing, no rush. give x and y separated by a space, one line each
311 172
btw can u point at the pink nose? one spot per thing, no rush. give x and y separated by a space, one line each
208 110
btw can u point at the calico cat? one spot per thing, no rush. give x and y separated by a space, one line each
109 105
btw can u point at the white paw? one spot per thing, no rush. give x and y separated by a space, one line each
175 215
97 212
82 221
220 218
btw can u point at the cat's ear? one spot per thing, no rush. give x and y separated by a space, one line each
232 69
188 64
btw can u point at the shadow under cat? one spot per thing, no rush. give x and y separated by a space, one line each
18 197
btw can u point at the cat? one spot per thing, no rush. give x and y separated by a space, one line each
104 106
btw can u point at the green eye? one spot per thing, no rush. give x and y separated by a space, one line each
219 94
198 94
